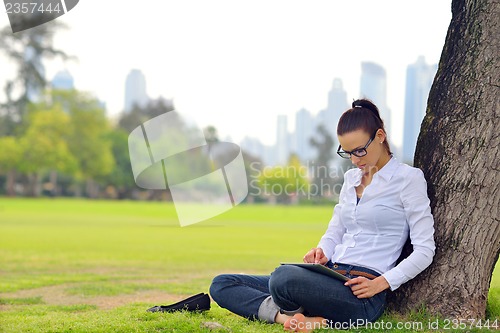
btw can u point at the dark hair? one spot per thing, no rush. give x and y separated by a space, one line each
363 115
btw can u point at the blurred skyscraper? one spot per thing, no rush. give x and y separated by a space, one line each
282 140
34 60
135 90
304 129
63 80
374 87
419 78
306 124
337 104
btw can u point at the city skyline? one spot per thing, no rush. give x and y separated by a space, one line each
419 78
239 68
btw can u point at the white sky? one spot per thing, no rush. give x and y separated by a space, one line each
238 64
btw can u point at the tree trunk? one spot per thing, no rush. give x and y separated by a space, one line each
53 182
458 152
92 189
34 185
11 183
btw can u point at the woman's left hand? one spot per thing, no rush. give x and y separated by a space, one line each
365 288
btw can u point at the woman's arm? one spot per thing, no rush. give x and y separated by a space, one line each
421 225
335 230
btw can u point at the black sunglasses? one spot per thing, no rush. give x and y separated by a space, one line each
359 152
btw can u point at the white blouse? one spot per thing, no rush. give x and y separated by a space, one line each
372 233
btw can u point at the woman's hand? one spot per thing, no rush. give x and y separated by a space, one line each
365 288
315 255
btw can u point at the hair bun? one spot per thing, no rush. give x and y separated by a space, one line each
357 103
367 104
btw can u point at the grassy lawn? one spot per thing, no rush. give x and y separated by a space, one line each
96 266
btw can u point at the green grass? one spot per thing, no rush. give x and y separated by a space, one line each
22 301
61 259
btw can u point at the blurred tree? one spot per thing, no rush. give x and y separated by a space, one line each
138 115
87 140
182 166
211 135
44 147
285 183
253 170
212 139
10 157
297 174
321 170
122 178
273 181
27 49
324 145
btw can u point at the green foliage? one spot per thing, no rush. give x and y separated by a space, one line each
121 178
324 145
182 166
284 182
87 141
67 134
211 135
43 145
11 153
253 170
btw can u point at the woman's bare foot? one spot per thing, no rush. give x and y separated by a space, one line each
301 323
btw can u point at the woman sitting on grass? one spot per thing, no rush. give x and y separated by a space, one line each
381 203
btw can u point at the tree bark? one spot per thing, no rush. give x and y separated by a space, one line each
53 182
458 152
10 183
92 189
34 185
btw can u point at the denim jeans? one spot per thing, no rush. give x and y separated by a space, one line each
291 289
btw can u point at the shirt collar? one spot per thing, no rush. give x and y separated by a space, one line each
388 169
386 172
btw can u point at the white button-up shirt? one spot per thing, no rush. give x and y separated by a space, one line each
372 233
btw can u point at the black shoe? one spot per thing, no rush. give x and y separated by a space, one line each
198 302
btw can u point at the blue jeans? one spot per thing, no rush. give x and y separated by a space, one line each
292 289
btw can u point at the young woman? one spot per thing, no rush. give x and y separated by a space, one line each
382 202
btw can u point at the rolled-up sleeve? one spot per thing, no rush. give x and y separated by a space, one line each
421 225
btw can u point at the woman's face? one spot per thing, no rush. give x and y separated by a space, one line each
358 139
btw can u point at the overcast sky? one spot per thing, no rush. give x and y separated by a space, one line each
236 65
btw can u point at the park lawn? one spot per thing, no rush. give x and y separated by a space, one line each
96 266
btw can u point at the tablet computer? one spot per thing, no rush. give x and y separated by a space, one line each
320 269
